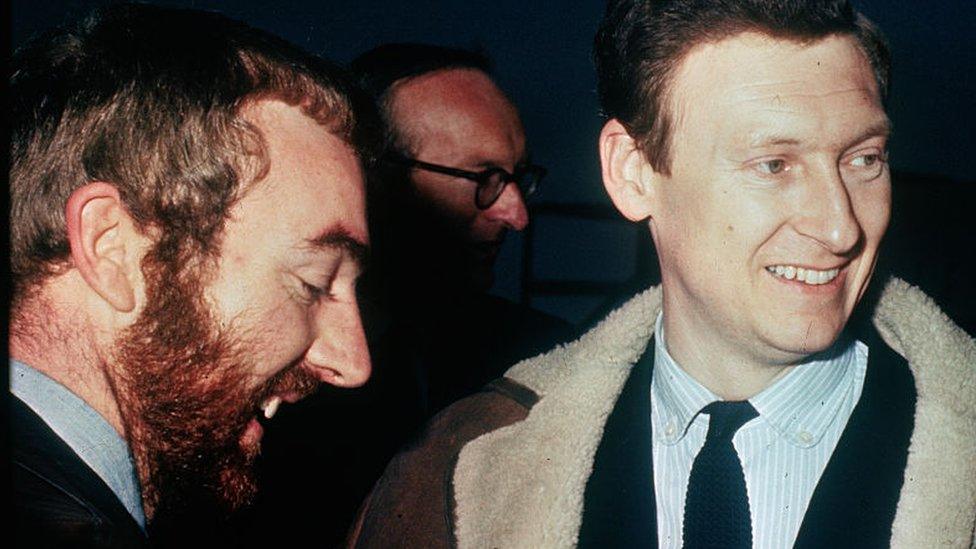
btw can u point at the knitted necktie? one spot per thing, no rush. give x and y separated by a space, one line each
717 507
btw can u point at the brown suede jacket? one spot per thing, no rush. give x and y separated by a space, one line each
509 467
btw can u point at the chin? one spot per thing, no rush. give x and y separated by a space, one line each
799 339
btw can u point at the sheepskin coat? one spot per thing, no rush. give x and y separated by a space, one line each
509 467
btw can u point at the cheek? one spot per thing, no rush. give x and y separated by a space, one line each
873 211
722 226
279 337
451 199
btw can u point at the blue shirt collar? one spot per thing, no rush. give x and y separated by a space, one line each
678 395
802 404
84 430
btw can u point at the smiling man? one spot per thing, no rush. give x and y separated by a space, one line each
187 227
761 396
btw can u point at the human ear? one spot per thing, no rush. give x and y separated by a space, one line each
627 175
102 237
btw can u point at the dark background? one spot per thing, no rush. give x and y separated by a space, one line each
579 257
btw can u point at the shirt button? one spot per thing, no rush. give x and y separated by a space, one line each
805 437
669 429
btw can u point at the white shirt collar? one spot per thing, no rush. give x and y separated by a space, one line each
799 406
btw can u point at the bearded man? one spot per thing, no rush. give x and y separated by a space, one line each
187 227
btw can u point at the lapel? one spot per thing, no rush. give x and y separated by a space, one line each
937 504
523 485
857 494
36 448
619 506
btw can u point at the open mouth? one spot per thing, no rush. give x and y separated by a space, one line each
811 277
254 431
270 406
268 409
289 386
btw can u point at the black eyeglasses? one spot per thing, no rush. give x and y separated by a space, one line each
491 182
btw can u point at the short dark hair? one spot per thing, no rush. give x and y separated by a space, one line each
383 66
640 43
150 100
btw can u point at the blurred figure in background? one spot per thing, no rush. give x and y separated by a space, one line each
452 182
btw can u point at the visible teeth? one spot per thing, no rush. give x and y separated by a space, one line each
807 276
271 406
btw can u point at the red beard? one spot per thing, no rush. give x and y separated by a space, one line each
183 392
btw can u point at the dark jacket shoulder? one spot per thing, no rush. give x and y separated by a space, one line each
58 500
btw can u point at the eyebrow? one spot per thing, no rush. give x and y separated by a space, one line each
880 128
523 160
337 237
761 139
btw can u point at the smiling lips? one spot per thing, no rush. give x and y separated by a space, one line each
812 277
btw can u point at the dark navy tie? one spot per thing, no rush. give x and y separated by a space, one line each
717 507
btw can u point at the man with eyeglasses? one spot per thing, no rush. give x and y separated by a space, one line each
451 182
454 143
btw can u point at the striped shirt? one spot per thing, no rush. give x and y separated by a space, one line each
783 451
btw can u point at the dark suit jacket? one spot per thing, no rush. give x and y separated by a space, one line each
855 499
58 500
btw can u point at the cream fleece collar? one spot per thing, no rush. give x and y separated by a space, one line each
523 485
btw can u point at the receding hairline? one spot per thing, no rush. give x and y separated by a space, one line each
395 103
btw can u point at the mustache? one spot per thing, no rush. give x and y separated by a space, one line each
296 380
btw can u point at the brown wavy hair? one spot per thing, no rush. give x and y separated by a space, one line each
150 100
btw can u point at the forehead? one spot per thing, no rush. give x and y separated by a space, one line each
754 80
457 107
314 179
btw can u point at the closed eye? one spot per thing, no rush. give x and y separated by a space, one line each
314 292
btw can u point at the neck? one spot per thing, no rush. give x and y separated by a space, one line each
63 347
723 368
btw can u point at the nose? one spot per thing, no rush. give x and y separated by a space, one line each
827 213
510 209
338 354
